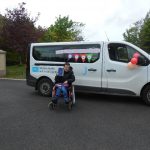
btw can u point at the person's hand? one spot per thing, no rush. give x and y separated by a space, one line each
53 88
66 82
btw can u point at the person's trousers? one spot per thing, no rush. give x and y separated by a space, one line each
60 90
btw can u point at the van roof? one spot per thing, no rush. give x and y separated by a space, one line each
88 42
67 43
79 42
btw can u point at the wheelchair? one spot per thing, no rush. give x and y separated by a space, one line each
71 97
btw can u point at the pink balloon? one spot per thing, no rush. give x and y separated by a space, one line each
136 55
134 61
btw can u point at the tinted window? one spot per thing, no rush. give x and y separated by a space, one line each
47 53
121 52
71 53
118 52
132 51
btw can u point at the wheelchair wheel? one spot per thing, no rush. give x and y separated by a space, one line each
51 106
73 96
70 105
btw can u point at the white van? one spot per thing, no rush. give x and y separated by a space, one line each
99 67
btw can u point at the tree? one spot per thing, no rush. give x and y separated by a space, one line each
145 34
132 34
19 31
64 29
139 33
2 20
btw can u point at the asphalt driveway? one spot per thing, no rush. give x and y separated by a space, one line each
97 122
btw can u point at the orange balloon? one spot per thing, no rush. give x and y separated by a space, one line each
131 66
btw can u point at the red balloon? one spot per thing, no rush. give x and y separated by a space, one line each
134 61
136 55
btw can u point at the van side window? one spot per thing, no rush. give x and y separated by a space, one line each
121 52
47 53
88 53
85 53
131 52
118 52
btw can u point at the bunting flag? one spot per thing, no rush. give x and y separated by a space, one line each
89 57
76 56
94 57
69 56
83 56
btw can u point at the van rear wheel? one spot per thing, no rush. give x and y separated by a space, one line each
44 87
146 94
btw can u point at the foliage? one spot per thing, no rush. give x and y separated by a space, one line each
18 31
64 29
2 21
132 34
16 71
139 33
12 58
145 34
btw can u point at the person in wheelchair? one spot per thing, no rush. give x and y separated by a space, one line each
63 83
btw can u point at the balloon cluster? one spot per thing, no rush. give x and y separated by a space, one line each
133 62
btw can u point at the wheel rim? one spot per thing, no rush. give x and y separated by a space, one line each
45 88
148 95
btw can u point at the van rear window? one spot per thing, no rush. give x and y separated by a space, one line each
88 53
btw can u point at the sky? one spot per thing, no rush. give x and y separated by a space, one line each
102 18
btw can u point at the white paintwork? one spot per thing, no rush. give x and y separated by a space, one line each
124 78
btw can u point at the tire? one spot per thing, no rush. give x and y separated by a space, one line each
146 94
44 87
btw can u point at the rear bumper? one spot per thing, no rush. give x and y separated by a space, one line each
31 81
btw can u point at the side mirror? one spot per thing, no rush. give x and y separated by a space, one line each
143 61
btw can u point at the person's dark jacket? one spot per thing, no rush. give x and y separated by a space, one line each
68 76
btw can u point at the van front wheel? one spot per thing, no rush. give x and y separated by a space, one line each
44 87
146 94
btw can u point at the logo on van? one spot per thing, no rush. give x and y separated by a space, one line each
35 69
84 73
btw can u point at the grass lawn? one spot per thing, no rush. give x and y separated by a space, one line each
17 72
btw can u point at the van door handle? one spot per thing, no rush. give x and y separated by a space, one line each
92 69
111 70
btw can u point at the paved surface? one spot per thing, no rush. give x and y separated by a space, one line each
97 122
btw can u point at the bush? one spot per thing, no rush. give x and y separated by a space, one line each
12 58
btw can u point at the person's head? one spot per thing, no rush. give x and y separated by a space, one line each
66 67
